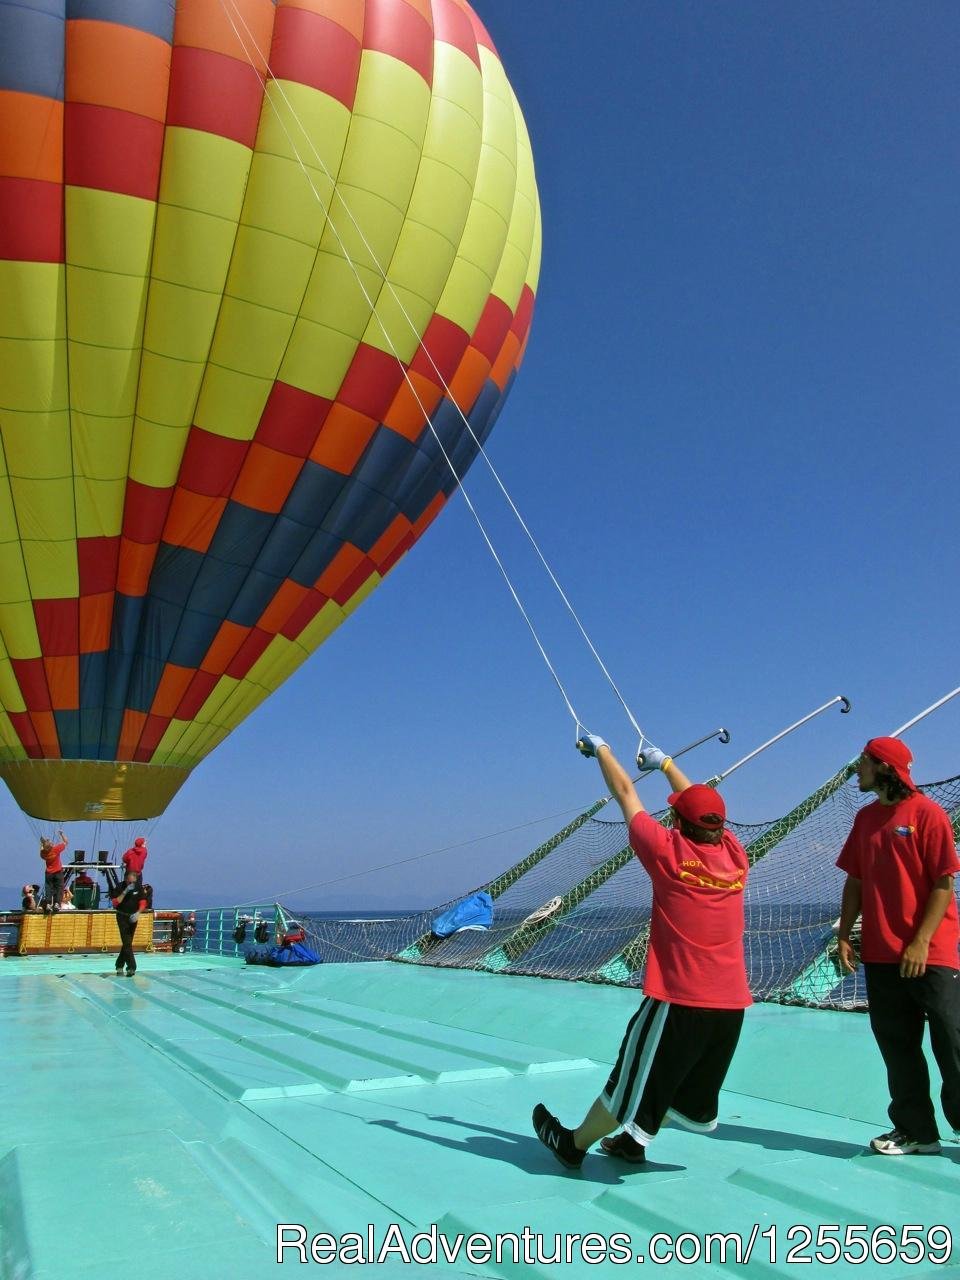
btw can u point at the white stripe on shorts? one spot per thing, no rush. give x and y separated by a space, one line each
695 1126
648 1029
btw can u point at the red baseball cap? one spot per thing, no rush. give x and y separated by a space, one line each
700 805
139 842
896 754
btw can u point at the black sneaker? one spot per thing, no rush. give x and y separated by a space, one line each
131 972
898 1143
624 1148
557 1139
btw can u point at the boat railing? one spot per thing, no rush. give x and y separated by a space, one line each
227 931
9 931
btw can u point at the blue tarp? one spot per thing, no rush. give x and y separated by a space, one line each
294 953
475 912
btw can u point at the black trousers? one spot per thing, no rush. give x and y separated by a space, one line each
898 1009
53 888
673 1059
127 929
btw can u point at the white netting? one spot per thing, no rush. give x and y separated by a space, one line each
597 931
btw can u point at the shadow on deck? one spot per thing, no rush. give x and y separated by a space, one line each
165 1125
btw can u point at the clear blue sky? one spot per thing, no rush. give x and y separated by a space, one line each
735 435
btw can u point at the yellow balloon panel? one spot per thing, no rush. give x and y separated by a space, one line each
245 285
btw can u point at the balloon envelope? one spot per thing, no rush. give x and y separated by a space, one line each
246 250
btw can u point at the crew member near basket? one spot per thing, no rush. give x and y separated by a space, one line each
53 877
135 857
900 859
128 900
680 1042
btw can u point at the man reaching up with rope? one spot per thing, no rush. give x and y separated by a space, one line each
679 1044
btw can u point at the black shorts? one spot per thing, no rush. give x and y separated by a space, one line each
673 1061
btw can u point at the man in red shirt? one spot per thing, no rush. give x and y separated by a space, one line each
679 1044
900 859
53 879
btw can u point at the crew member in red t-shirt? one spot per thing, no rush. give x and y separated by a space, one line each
135 857
679 1044
53 879
900 858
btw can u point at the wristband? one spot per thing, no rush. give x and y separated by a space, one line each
667 762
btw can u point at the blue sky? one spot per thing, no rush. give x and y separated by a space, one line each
734 435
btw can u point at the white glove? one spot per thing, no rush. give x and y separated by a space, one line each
650 758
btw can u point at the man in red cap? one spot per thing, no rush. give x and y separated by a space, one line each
900 859
135 857
678 1046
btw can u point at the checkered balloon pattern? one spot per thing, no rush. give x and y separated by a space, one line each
260 264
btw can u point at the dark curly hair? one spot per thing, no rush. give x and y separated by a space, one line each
887 782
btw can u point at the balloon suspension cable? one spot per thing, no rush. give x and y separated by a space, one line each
416 332
34 825
935 706
102 831
844 708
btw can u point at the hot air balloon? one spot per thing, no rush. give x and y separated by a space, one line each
249 253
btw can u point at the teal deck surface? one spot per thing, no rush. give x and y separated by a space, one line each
163 1126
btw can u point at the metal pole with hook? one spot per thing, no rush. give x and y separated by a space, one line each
721 735
923 714
844 708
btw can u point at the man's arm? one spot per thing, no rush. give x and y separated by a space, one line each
849 910
675 776
913 960
619 783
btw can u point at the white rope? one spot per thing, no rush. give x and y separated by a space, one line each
370 302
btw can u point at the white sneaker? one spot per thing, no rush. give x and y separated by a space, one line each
898 1143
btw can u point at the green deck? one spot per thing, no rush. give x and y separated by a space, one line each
163 1126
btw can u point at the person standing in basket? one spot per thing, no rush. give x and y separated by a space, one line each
53 879
678 1046
128 901
900 858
